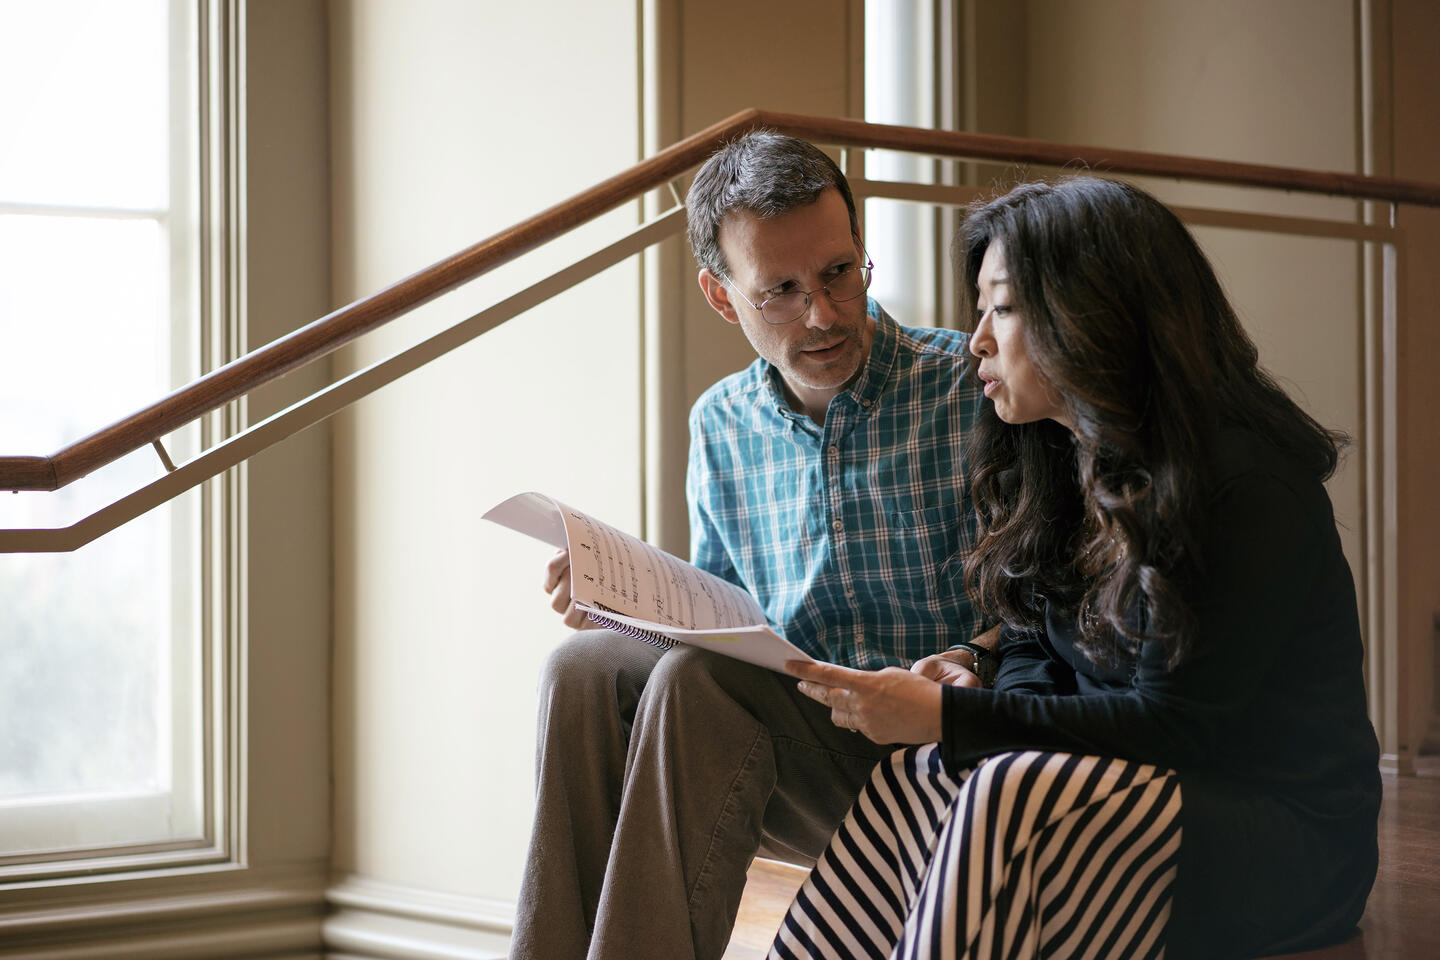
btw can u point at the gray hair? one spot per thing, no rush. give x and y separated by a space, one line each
762 173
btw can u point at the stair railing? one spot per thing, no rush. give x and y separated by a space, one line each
1388 658
318 339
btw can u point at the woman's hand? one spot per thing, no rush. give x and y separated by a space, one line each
888 706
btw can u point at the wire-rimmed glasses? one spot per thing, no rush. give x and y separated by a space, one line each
791 305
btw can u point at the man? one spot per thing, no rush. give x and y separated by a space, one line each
826 479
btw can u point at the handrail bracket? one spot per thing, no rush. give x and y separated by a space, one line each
164 457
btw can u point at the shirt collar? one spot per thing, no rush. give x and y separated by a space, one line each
874 374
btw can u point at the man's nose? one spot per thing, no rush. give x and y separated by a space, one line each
823 312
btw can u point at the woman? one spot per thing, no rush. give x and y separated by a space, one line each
1175 758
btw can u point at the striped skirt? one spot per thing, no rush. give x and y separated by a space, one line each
1028 854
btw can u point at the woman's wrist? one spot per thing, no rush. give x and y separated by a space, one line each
982 660
977 653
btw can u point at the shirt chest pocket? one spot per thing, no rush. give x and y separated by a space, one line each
923 551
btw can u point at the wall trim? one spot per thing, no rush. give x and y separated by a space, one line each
376 920
196 917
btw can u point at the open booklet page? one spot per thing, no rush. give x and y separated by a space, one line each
623 579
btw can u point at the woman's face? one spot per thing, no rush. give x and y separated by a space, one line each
1020 393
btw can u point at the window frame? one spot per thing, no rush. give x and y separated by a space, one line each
206 280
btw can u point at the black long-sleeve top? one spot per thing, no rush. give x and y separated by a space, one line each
1265 720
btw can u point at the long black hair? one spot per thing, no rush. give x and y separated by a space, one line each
1123 316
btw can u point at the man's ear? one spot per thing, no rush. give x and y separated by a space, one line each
717 294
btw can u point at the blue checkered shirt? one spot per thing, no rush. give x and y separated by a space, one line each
849 535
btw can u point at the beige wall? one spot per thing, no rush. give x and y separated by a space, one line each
439 625
440 628
448 120
289 540
1414 153
451 121
1272 83
822 81
704 69
1277 83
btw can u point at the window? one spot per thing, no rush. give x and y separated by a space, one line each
900 88
107 711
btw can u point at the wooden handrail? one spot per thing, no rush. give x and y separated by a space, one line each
327 334
332 331
984 146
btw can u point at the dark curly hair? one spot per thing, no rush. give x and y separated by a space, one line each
1122 314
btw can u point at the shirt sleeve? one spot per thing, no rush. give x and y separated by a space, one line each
707 547
1027 665
1262 550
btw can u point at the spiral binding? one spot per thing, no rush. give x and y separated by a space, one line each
649 636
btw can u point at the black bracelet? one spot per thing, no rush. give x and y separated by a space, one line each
976 650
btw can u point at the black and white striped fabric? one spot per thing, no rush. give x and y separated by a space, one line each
1029 854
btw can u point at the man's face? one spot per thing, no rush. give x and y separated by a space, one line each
822 352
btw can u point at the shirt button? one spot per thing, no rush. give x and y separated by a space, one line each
834 451
837 526
850 594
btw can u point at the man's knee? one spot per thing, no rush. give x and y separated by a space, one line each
594 667
573 661
685 670
690 681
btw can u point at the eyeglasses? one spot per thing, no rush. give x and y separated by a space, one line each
790 306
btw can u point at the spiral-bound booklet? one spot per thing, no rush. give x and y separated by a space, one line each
627 585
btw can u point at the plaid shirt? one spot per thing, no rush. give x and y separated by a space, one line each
849 535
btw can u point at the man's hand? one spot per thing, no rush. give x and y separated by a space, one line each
557 584
952 666
888 706
957 666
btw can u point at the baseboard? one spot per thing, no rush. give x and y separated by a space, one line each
243 914
217 917
374 920
1400 764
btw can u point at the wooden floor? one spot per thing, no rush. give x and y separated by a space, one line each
767 894
1402 917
